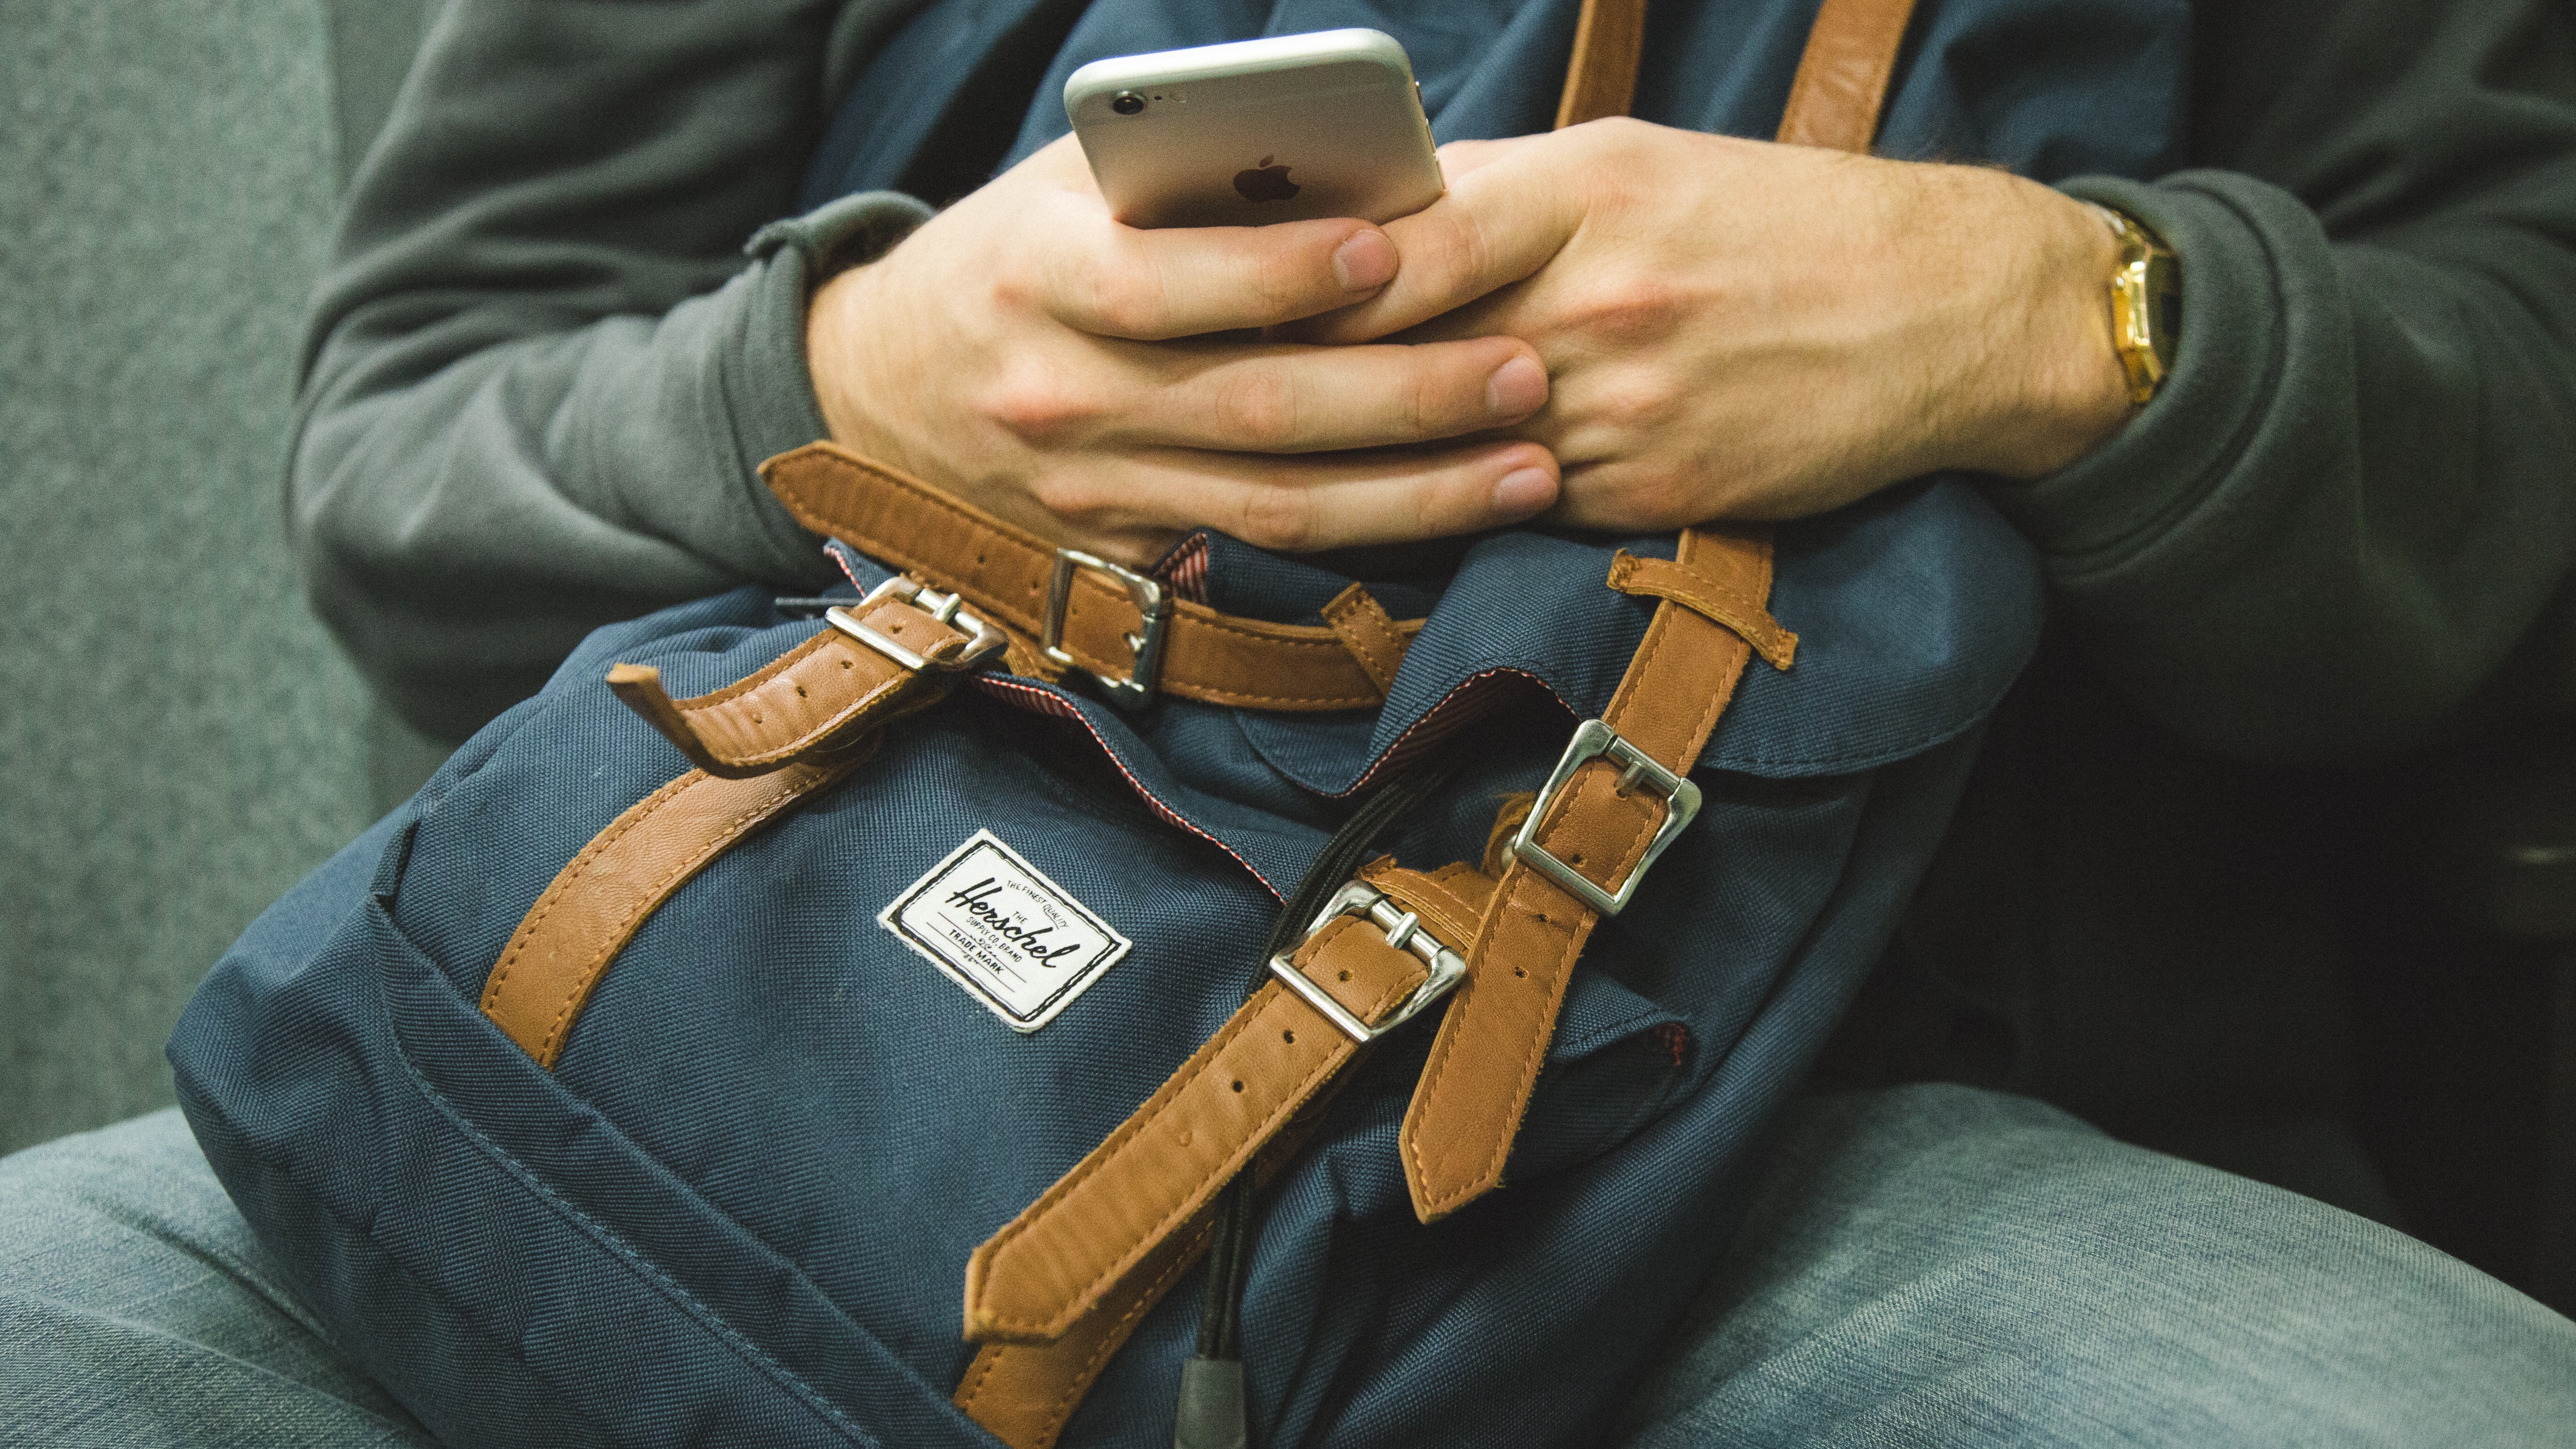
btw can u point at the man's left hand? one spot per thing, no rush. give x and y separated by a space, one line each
1737 329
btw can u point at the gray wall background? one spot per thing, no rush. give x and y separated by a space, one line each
182 740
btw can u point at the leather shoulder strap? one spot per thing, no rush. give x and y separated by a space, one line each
1842 78
1834 102
1468 1105
1601 74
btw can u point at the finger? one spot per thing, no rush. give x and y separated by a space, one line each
1457 158
1147 286
1499 223
1309 504
1277 399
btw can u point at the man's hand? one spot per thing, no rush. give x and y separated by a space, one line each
1021 350
1734 329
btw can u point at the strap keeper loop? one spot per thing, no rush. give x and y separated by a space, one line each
1696 591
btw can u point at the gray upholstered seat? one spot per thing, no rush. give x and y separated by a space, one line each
182 739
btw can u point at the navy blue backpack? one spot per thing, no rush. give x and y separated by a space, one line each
1347 1009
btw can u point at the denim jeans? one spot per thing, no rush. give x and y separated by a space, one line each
1927 1265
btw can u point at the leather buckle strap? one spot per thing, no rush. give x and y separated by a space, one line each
1443 967
883 658
981 642
1101 1223
1592 740
1135 688
602 897
1010 576
1579 855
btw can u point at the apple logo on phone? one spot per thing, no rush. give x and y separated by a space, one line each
1265 182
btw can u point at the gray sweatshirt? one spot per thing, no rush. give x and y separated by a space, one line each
543 368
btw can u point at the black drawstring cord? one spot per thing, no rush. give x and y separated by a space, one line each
1210 1414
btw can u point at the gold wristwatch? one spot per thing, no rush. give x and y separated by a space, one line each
2146 315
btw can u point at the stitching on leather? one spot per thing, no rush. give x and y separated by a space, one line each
1429 890
651 899
1361 623
1553 987
1135 1127
760 676
1739 612
791 490
1228 696
1115 1338
806 741
794 493
1109 1151
1435 1079
986 1360
581 862
1553 991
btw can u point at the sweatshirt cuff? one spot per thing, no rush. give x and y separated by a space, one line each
770 390
2097 516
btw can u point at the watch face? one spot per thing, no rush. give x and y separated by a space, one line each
2163 312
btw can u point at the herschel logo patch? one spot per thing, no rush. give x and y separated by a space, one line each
1017 941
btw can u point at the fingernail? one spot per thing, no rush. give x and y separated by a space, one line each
1364 262
1524 491
1517 387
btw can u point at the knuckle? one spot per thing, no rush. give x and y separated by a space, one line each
1069 494
1469 256
1425 402
1631 308
1038 404
1276 517
1124 302
1280 284
1642 405
1019 285
1660 495
1257 407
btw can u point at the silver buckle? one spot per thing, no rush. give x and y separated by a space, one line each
1403 932
1137 689
1593 739
986 640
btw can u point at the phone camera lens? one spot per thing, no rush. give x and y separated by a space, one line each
1127 103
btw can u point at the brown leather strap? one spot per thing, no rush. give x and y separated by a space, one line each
1707 593
1002 570
595 904
1023 1393
1361 622
1473 1092
1037 1278
1601 74
1842 77
829 689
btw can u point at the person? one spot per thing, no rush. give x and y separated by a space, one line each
540 377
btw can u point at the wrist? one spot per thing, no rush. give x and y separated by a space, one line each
2054 387
834 340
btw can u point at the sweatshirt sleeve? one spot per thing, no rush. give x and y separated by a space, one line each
2355 496
541 371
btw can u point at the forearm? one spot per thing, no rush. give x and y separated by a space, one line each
541 372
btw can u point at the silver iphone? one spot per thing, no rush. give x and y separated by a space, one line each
1257 131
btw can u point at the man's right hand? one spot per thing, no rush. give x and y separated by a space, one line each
1021 350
